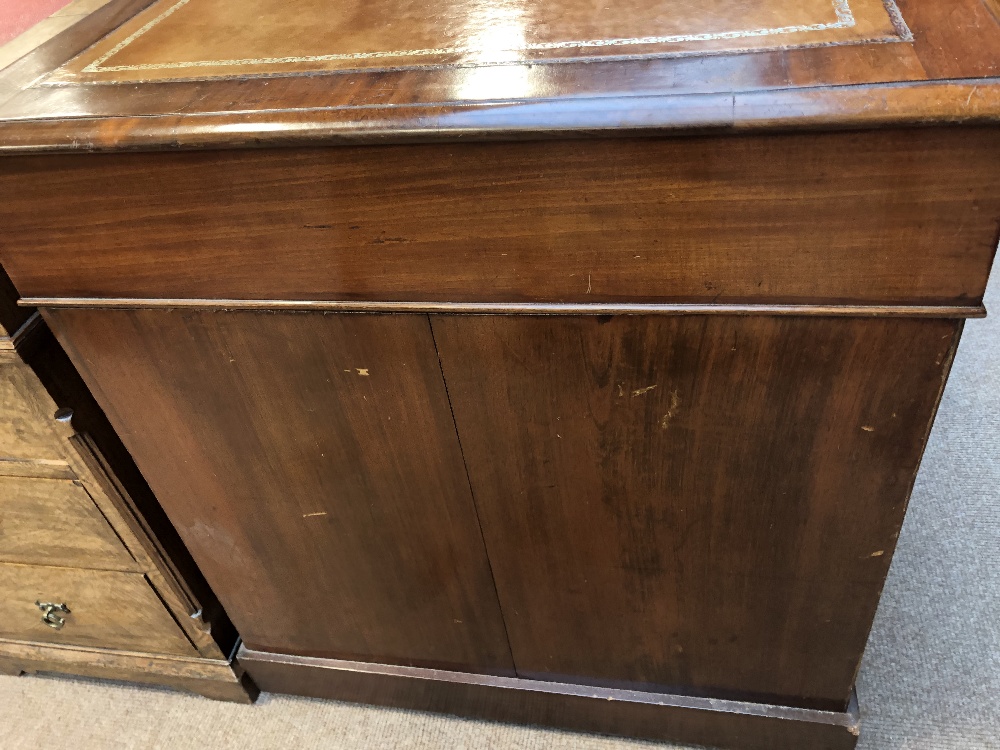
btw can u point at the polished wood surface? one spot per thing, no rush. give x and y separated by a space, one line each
670 509
73 509
55 522
897 217
954 48
107 609
92 453
25 435
316 543
727 262
212 678
515 308
42 384
654 716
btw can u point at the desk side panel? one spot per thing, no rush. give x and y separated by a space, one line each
311 465
707 503
891 217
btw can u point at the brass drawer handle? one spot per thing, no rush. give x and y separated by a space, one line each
49 616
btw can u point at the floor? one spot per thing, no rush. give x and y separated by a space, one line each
25 24
929 681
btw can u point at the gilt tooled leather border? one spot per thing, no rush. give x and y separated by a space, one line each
842 13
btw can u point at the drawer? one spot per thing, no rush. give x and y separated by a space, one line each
55 522
909 219
106 610
24 429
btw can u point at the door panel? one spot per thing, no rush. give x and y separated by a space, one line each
311 465
703 502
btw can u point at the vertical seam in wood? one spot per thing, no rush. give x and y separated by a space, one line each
472 494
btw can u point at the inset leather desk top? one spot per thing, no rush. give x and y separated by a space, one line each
198 38
179 73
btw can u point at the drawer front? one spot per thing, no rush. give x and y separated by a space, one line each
55 522
24 429
891 217
106 610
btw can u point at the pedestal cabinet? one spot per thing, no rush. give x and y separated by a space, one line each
93 582
541 364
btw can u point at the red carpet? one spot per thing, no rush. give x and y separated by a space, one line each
17 16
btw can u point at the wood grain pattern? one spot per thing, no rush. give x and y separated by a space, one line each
514 308
701 502
907 217
215 679
51 522
92 454
25 424
654 716
39 468
182 592
944 103
102 518
956 47
696 504
311 466
107 609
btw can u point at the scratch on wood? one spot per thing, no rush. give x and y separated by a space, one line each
675 402
311 515
868 428
640 391
589 286
878 553
363 371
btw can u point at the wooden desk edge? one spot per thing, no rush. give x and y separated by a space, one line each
831 108
657 716
515 308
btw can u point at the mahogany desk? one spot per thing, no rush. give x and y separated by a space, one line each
546 362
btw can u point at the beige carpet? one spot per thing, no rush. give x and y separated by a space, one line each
930 679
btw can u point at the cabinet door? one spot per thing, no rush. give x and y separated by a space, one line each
708 503
311 465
